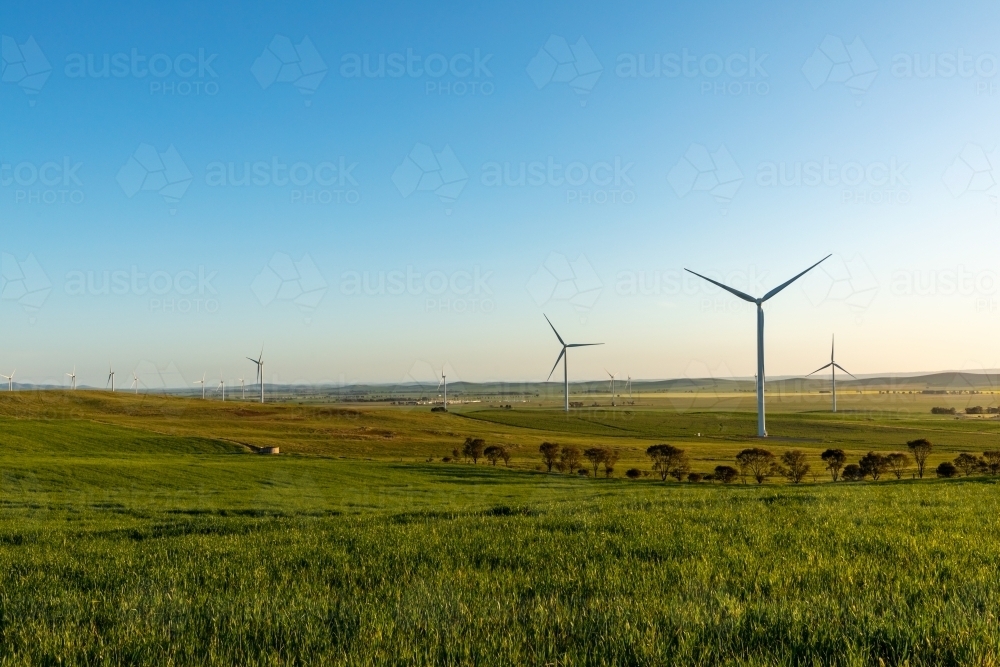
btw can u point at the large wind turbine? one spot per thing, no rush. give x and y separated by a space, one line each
565 359
761 428
111 378
10 379
833 366
444 381
260 371
72 378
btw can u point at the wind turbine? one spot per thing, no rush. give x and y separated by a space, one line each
260 371
833 366
628 386
761 428
72 378
565 359
135 382
10 379
243 389
222 386
202 383
444 381
612 376
111 378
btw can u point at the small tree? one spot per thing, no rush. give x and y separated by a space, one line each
633 473
668 460
726 474
946 469
795 466
473 449
694 477
920 449
992 460
494 453
968 463
873 465
507 453
758 462
550 454
569 458
852 473
898 463
611 456
596 456
835 460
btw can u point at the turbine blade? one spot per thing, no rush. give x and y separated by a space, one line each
745 297
554 329
831 347
789 282
820 368
558 359
845 370
583 344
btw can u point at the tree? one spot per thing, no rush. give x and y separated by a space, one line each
550 453
968 463
473 449
946 469
795 466
668 460
494 453
898 463
596 456
611 456
694 477
852 473
507 453
758 462
569 458
835 460
992 460
873 465
633 473
920 449
726 474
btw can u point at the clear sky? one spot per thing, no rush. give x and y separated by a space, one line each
371 190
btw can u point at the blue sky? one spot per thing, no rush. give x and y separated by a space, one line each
743 142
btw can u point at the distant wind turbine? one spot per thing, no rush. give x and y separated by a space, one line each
111 378
202 383
222 386
260 371
10 379
761 427
135 382
833 366
612 376
72 378
565 359
444 381
243 389
628 386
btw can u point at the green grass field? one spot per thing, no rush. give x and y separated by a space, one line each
143 529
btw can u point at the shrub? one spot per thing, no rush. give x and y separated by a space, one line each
943 411
898 462
873 465
473 449
794 465
992 460
550 453
694 477
494 453
946 469
438 408
726 474
968 463
611 456
975 410
569 459
583 472
852 473
633 473
446 459
596 456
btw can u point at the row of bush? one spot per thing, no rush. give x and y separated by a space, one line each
974 410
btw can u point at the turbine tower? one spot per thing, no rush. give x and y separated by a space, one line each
222 386
833 366
72 378
243 389
202 383
565 359
444 381
260 371
612 376
111 378
135 382
10 379
761 427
